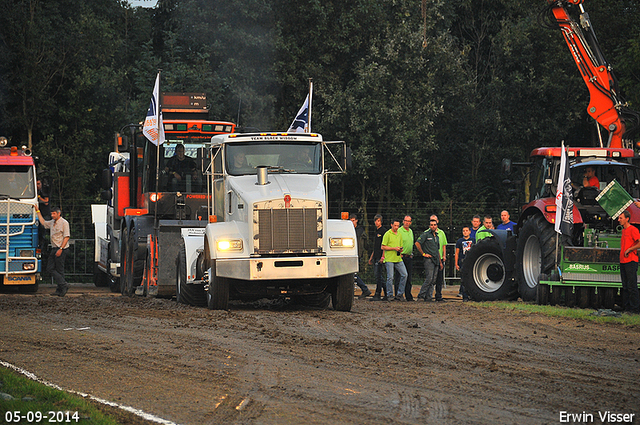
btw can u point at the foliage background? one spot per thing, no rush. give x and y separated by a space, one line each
430 104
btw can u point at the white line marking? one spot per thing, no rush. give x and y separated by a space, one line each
133 410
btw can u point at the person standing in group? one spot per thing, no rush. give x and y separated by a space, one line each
442 238
362 242
407 255
377 258
463 245
60 235
475 225
506 224
487 224
428 245
392 247
629 244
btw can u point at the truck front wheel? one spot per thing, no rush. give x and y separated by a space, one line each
217 291
187 294
342 293
535 255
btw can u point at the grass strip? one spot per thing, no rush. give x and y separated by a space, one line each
559 311
32 402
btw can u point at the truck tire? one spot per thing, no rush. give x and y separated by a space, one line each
342 292
535 254
187 294
126 261
217 291
483 273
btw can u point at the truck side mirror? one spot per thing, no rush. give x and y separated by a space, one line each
105 179
506 166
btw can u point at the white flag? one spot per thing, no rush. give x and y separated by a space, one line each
564 198
153 128
302 123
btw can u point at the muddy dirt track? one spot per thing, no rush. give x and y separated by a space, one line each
414 363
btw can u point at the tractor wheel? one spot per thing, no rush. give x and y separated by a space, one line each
218 291
483 273
535 254
342 292
187 294
542 292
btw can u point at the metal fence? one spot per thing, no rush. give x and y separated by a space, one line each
78 266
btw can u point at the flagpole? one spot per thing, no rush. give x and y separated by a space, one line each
155 210
310 100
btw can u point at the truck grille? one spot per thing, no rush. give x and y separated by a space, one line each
288 230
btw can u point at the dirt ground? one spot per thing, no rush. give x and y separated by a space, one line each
268 363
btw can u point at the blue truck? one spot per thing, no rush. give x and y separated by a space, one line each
19 254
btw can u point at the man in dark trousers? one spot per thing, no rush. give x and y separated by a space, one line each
629 245
362 242
60 235
377 258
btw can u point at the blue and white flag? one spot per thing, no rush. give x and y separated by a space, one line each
564 198
302 123
153 128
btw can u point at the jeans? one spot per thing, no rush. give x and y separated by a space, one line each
377 277
431 274
55 266
408 265
630 296
391 267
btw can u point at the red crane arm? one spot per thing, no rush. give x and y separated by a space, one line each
604 103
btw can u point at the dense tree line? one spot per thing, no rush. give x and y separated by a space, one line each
430 95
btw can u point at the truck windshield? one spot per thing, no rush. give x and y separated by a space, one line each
299 158
16 182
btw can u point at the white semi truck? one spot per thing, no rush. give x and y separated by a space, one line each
269 235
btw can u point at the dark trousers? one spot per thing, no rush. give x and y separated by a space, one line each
630 295
378 269
55 266
440 282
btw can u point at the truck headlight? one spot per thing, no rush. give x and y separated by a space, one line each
229 245
26 252
28 266
342 242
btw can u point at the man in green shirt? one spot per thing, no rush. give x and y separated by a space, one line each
407 255
487 224
392 247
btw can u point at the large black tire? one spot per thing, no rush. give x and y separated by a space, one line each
126 263
583 296
187 294
342 292
483 273
536 253
218 291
